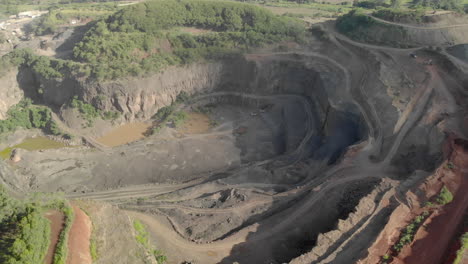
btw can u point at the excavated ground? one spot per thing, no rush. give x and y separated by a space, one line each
305 156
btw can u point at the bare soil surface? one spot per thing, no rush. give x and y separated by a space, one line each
57 221
79 239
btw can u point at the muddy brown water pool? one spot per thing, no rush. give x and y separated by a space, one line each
125 134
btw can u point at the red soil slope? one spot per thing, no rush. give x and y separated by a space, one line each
56 225
78 241
433 239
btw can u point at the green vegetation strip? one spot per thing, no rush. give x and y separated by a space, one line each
463 248
142 238
61 249
408 233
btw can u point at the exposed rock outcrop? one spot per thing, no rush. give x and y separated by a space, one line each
10 92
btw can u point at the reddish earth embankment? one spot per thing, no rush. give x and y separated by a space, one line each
456 244
78 240
57 221
432 240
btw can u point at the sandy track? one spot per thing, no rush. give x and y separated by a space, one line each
235 209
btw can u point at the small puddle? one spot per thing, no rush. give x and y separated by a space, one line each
31 144
125 134
56 225
196 123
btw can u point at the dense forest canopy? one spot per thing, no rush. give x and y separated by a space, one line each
132 40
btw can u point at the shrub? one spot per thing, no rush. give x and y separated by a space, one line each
110 115
407 235
445 196
27 115
163 113
88 112
177 118
61 250
353 20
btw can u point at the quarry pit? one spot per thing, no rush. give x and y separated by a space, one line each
298 156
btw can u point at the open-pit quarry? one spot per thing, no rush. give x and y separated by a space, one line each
318 153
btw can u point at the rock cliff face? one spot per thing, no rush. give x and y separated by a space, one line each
135 98
140 98
10 93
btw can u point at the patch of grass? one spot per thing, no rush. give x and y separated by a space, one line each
93 249
141 233
142 237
